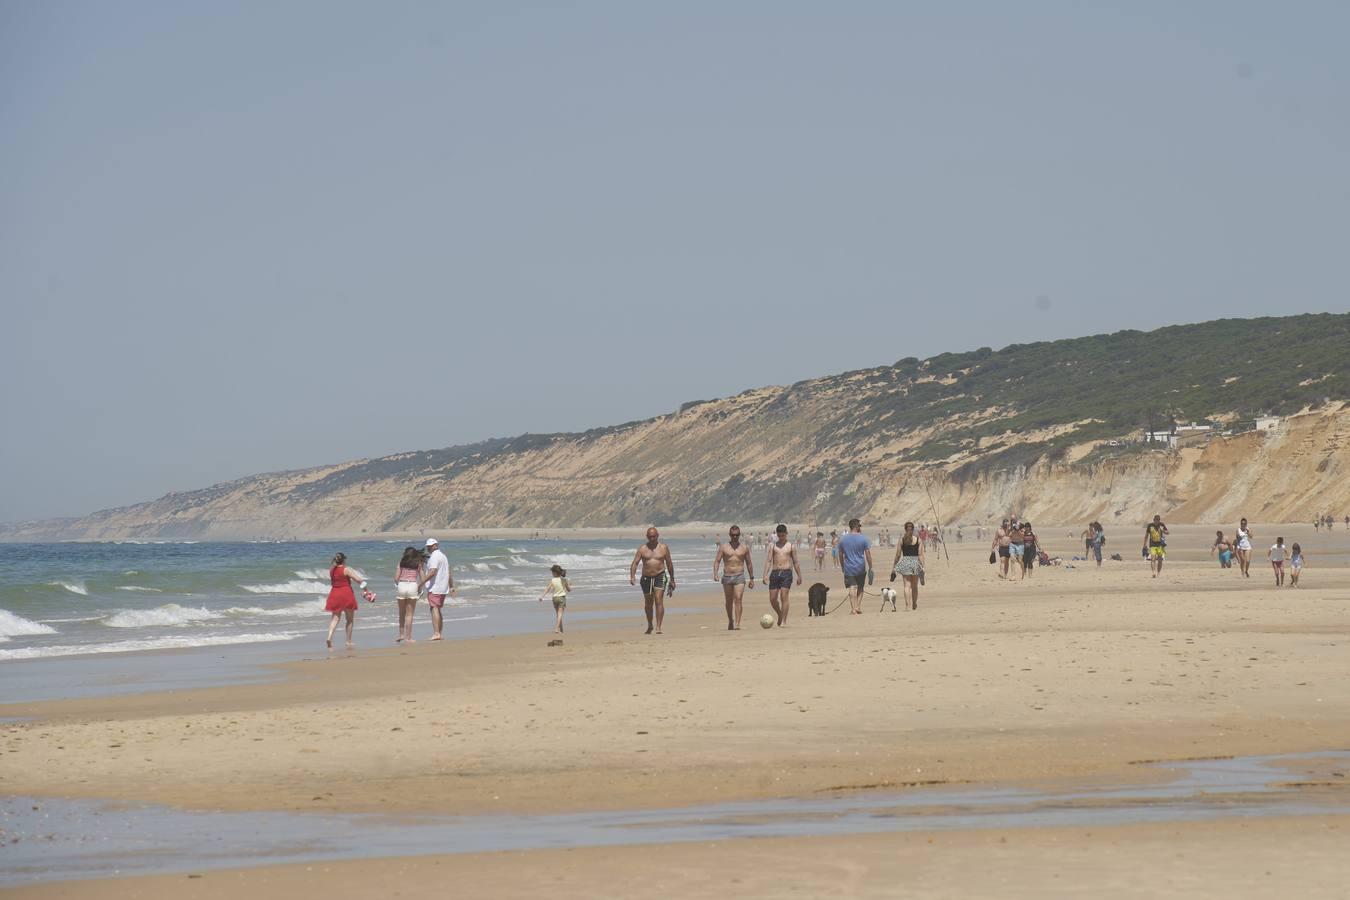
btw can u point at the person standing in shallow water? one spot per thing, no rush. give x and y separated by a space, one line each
738 569
439 584
341 597
658 577
408 576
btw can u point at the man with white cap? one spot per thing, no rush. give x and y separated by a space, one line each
438 582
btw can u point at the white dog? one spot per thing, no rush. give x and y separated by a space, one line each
888 596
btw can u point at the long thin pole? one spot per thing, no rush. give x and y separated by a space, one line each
927 487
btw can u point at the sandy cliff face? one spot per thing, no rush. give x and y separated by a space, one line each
1291 474
790 454
974 434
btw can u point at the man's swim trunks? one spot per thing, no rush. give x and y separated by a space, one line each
738 578
652 583
780 579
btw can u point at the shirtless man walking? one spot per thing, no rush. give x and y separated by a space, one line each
656 562
1002 543
733 558
779 565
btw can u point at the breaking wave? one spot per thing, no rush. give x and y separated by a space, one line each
12 625
168 615
165 643
295 586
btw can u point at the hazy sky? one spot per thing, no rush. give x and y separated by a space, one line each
240 237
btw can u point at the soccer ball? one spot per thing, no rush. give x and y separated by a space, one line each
766 621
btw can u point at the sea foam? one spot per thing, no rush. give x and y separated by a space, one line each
490 582
12 625
584 561
305 608
294 586
75 587
165 643
168 615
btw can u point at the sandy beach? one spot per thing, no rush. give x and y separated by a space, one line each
1076 674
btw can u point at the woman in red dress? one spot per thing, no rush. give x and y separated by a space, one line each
342 599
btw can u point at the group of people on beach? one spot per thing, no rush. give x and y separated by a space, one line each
420 573
1239 548
1015 542
425 572
733 567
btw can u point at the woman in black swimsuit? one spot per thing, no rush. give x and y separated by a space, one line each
909 558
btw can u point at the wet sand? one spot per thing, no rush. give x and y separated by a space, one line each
1072 674
1302 858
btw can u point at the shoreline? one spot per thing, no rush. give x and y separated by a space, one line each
1229 858
1076 675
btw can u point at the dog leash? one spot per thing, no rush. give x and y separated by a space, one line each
845 600
837 605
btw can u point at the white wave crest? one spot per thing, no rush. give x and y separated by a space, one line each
466 618
490 582
132 587
297 586
520 561
311 573
75 587
165 643
169 614
584 561
12 625
480 567
305 608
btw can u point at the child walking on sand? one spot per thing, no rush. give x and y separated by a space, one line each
1276 556
559 588
1295 565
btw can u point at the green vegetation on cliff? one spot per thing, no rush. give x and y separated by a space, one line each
813 451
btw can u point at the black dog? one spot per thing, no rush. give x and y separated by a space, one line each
815 599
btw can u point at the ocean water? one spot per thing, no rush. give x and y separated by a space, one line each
71 599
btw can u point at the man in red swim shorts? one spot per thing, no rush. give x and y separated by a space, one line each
439 583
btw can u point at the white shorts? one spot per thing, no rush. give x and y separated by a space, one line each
407 590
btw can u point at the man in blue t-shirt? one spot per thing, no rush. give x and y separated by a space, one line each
855 554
